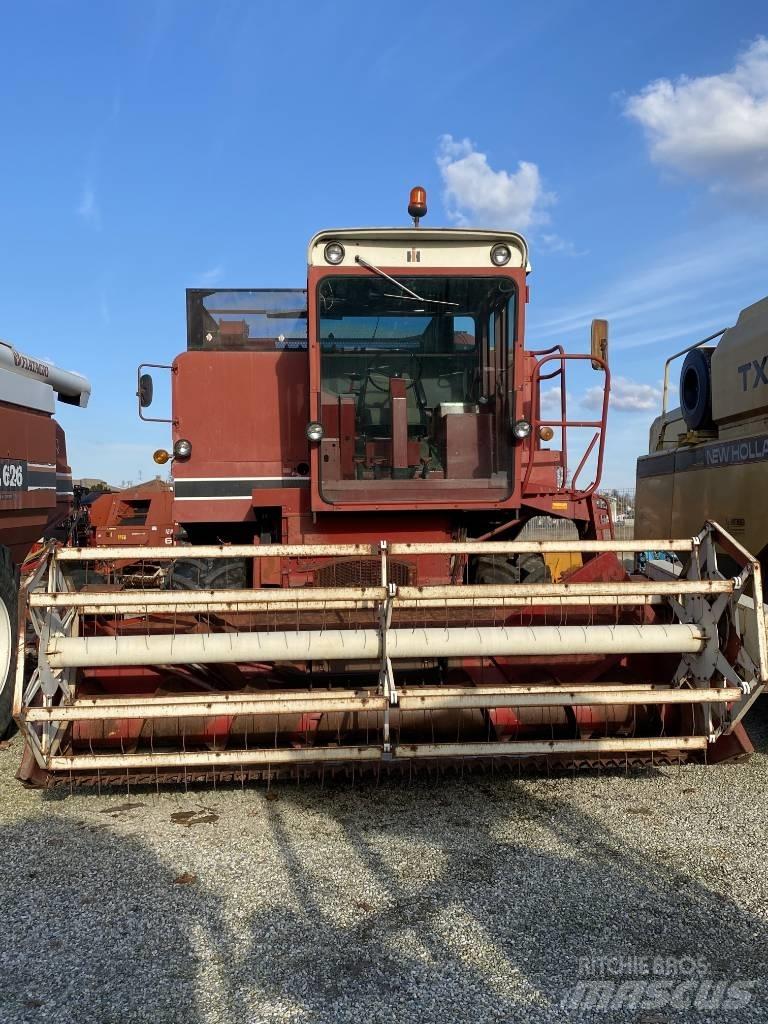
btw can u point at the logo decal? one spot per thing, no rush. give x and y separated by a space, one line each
13 477
759 371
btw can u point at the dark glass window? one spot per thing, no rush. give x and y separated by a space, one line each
252 320
412 386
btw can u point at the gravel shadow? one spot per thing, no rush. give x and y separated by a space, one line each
94 929
470 901
502 930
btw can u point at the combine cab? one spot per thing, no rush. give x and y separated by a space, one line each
353 467
35 481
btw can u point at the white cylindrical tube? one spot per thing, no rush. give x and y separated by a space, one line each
365 645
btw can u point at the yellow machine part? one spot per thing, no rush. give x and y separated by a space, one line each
561 562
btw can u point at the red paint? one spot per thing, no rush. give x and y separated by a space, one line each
136 515
25 515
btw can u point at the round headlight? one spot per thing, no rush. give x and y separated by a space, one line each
182 448
315 431
521 429
334 253
500 255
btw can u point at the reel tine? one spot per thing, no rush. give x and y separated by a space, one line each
184 747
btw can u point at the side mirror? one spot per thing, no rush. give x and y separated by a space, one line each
599 343
146 390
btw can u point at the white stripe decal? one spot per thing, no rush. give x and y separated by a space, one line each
217 479
216 497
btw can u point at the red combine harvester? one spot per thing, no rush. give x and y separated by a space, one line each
137 516
35 481
140 515
353 465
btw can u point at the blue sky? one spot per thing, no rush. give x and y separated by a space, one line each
151 146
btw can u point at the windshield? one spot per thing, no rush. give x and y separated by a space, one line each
244 319
411 376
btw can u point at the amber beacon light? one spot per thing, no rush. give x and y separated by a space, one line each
417 204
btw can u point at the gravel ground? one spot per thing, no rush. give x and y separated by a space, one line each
482 899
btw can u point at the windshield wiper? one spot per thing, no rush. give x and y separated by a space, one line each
398 284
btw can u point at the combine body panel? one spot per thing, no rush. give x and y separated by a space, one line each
35 481
353 466
141 515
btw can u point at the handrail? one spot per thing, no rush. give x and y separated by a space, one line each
546 352
677 355
574 493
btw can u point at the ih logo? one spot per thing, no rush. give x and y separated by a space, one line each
754 369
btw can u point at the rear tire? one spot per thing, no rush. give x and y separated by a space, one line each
9 596
518 569
208 574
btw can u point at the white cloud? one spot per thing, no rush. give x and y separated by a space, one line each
554 243
626 396
550 399
474 193
714 127
681 292
88 207
210 276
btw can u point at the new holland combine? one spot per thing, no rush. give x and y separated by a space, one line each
710 452
353 466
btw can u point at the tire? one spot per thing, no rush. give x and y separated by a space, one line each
533 569
492 569
519 569
9 596
208 574
696 389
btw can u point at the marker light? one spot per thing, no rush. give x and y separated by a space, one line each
334 253
182 449
500 255
161 456
521 429
315 431
417 203
546 433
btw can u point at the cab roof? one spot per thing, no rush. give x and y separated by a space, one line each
438 247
